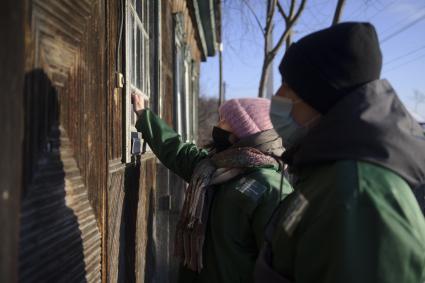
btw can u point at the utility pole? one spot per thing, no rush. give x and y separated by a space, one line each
220 57
220 83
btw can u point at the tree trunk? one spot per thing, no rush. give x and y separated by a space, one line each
288 40
264 76
338 12
220 90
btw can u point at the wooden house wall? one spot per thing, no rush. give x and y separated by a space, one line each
64 156
85 216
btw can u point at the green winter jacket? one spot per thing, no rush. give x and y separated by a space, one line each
238 213
361 223
353 216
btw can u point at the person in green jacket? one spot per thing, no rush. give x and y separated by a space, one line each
358 160
233 189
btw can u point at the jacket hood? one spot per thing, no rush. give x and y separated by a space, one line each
369 124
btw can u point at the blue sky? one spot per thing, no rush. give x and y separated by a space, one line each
400 26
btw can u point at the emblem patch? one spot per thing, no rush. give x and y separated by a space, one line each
251 188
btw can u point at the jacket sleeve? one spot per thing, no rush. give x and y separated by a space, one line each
166 144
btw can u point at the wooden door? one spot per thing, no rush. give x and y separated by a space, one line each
62 215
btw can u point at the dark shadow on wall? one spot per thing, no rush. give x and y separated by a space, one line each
127 254
128 236
150 268
51 246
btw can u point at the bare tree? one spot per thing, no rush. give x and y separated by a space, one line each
290 17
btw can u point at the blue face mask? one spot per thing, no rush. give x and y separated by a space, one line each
283 122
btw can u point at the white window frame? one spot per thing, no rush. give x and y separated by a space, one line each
195 97
179 72
136 61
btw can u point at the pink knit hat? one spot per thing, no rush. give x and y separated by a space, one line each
246 116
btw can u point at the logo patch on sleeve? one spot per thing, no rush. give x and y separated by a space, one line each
251 188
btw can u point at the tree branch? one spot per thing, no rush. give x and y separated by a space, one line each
289 26
288 39
255 16
282 11
271 7
292 9
338 12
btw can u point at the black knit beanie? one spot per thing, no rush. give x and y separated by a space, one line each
324 66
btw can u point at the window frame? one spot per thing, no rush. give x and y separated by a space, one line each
138 30
178 62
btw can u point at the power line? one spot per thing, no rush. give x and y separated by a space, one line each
403 20
405 63
404 55
356 11
402 29
382 9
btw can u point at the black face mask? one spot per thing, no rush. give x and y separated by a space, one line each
221 138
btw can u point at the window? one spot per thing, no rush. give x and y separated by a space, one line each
138 38
184 100
138 66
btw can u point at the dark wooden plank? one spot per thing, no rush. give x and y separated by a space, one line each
144 258
11 117
167 62
114 95
115 240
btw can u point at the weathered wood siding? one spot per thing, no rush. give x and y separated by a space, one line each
167 66
60 240
115 259
65 171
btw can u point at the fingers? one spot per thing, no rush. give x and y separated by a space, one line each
137 101
134 98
